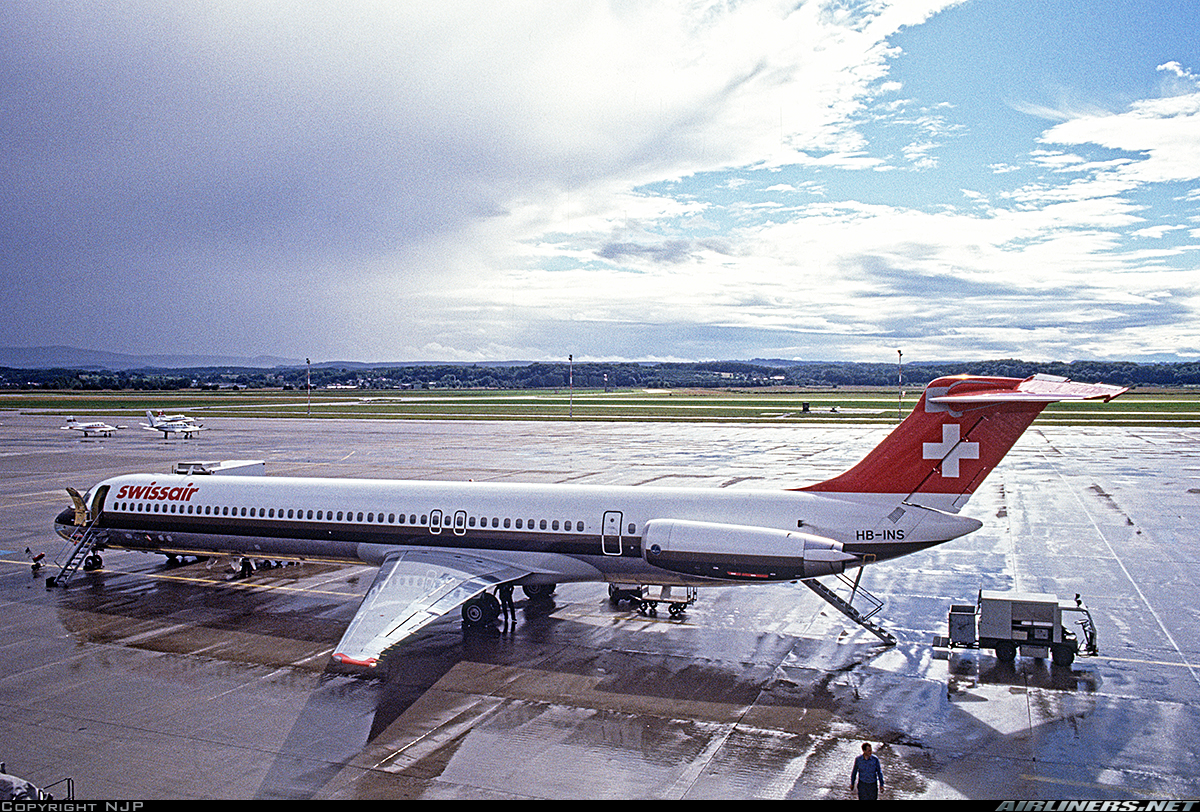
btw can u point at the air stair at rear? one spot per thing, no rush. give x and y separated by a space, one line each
847 608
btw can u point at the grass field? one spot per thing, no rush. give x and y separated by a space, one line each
1138 408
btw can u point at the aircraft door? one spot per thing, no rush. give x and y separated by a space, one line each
98 501
81 511
610 533
460 523
435 522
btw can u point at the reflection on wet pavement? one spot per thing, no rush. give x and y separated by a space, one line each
151 681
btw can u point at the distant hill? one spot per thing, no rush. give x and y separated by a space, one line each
60 357
75 358
71 368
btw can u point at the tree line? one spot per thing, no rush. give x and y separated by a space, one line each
594 375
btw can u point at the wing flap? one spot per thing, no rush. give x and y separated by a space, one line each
412 589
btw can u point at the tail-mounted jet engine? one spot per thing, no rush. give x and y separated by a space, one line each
740 552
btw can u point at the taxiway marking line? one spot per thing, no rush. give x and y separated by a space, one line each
1128 575
233 584
1184 664
579 615
207 581
1046 780
236 584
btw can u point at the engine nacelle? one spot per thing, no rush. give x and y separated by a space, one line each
740 552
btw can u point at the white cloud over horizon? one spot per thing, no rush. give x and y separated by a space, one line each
664 180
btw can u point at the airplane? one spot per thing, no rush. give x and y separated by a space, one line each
440 546
172 424
98 428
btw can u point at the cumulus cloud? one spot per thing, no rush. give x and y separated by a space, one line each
1164 134
383 180
1055 268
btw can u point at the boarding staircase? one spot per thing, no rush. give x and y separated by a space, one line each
79 547
81 544
847 608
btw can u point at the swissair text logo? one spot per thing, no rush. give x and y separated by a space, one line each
950 450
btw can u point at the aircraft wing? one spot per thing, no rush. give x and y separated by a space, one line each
413 589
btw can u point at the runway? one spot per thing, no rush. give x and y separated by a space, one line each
143 681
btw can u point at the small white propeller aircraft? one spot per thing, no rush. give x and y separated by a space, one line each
442 545
170 424
97 428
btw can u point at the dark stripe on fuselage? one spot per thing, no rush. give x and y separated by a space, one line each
883 550
150 531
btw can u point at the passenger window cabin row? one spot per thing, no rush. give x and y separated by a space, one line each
448 519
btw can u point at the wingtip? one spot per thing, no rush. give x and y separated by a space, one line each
345 659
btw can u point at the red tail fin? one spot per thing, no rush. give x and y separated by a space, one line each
959 431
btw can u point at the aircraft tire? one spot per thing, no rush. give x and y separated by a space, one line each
537 592
481 610
473 613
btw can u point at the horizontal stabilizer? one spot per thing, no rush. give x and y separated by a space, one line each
1038 389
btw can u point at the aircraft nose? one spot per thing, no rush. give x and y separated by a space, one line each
64 523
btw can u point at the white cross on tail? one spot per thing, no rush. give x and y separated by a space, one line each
950 451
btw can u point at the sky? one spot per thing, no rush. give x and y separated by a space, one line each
623 180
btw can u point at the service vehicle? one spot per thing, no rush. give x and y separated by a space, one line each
1028 622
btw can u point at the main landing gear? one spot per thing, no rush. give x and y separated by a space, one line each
481 610
484 608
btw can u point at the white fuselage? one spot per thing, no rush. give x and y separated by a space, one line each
566 532
91 428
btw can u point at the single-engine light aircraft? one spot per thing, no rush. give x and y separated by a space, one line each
170 424
441 545
96 427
